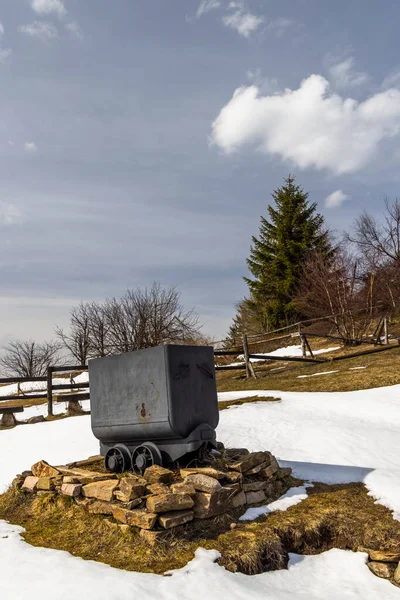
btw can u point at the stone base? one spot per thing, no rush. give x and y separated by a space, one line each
164 500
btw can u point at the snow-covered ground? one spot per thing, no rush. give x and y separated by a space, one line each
331 437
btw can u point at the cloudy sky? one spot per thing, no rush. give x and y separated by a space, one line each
140 140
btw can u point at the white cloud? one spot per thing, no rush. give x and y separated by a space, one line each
240 20
30 147
5 53
43 30
9 214
46 7
205 6
310 126
1 29
335 199
344 76
74 30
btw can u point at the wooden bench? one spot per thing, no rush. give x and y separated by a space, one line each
8 419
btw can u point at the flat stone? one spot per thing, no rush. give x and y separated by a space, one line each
157 474
158 488
98 507
380 569
92 460
43 469
233 476
254 486
30 483
250 461
271 470
85 474
45 484
102 490
211 505
173 519
133 503
238 500
255 497
37 419
286 472
71 489
260 467
169 502
384 556
136 518
234 487
209 471
203 483
71 479
131 488
153 537
183 488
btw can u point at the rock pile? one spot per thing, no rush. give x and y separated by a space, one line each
162 499
384 564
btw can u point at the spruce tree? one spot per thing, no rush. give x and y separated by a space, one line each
293 231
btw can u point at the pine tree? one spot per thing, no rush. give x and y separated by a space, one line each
276 257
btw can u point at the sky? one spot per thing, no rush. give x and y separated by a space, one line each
140 141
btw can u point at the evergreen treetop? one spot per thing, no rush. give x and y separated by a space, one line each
293 231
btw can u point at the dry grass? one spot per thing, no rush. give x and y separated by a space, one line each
341 516
382 369
227 403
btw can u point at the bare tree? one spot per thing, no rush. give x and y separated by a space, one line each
341 289
77 341
29 359
140 319
378 241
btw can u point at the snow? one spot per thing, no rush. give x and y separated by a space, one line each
291 351
330 437
333 437
317 374
42 574
292 497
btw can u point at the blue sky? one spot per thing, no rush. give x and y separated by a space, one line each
140 141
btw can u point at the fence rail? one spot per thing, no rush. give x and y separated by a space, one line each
242 351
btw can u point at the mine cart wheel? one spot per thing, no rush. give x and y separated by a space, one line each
118 459
144 456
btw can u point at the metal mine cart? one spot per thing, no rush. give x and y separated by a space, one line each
153 406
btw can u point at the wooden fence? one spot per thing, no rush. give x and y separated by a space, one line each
242 352
48 392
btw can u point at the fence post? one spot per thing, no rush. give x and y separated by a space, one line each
249 367
49 391
303 345
386 325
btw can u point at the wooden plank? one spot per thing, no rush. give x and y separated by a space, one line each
27 398
11 409
288 358
68 397
69 368
70 386
364 353
21 379
230 368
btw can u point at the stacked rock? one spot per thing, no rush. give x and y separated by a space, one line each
162 499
